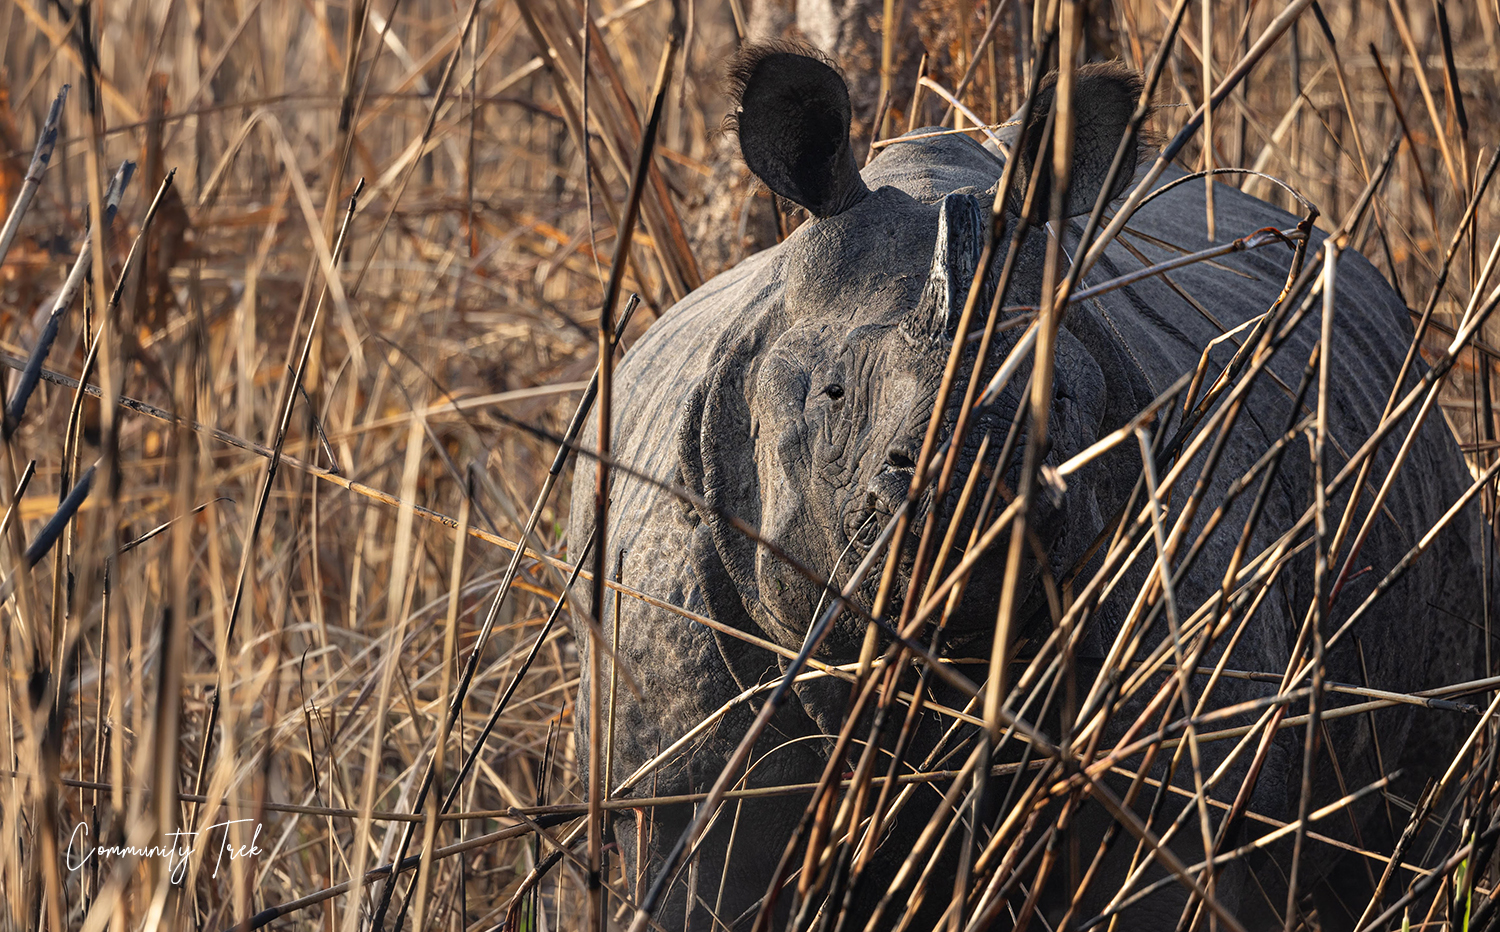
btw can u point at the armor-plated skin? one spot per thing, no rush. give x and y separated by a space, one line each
793 392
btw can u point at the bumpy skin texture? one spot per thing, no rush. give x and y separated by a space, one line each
793 392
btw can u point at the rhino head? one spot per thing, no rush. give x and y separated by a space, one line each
810 421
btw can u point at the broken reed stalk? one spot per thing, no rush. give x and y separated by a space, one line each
1060 137
1069 32
1320 605
423 887
1206 53
80 270
41 156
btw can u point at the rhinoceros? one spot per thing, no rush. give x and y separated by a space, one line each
791 394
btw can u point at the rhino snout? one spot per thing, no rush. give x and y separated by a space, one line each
889 487
883 495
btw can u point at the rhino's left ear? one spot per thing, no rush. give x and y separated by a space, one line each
791 110
1104 98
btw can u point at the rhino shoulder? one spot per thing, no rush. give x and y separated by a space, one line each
675 351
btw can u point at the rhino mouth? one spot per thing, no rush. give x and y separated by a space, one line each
862 528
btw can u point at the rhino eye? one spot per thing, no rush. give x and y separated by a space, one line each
834 391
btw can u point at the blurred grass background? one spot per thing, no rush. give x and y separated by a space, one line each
470 285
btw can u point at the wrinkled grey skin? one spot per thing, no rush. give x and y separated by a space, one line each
729 395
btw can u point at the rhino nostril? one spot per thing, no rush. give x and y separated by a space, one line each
897 458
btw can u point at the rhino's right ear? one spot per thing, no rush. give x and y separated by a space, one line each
1104 99
791 110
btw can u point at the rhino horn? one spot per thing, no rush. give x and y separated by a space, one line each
955 258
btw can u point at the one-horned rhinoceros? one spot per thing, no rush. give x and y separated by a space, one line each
791 395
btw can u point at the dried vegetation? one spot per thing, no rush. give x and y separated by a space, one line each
333 466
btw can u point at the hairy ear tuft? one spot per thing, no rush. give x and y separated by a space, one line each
791 112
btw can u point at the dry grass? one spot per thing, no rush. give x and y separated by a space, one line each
319 614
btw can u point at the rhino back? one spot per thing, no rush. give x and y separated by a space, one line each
1166 322
1421 633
